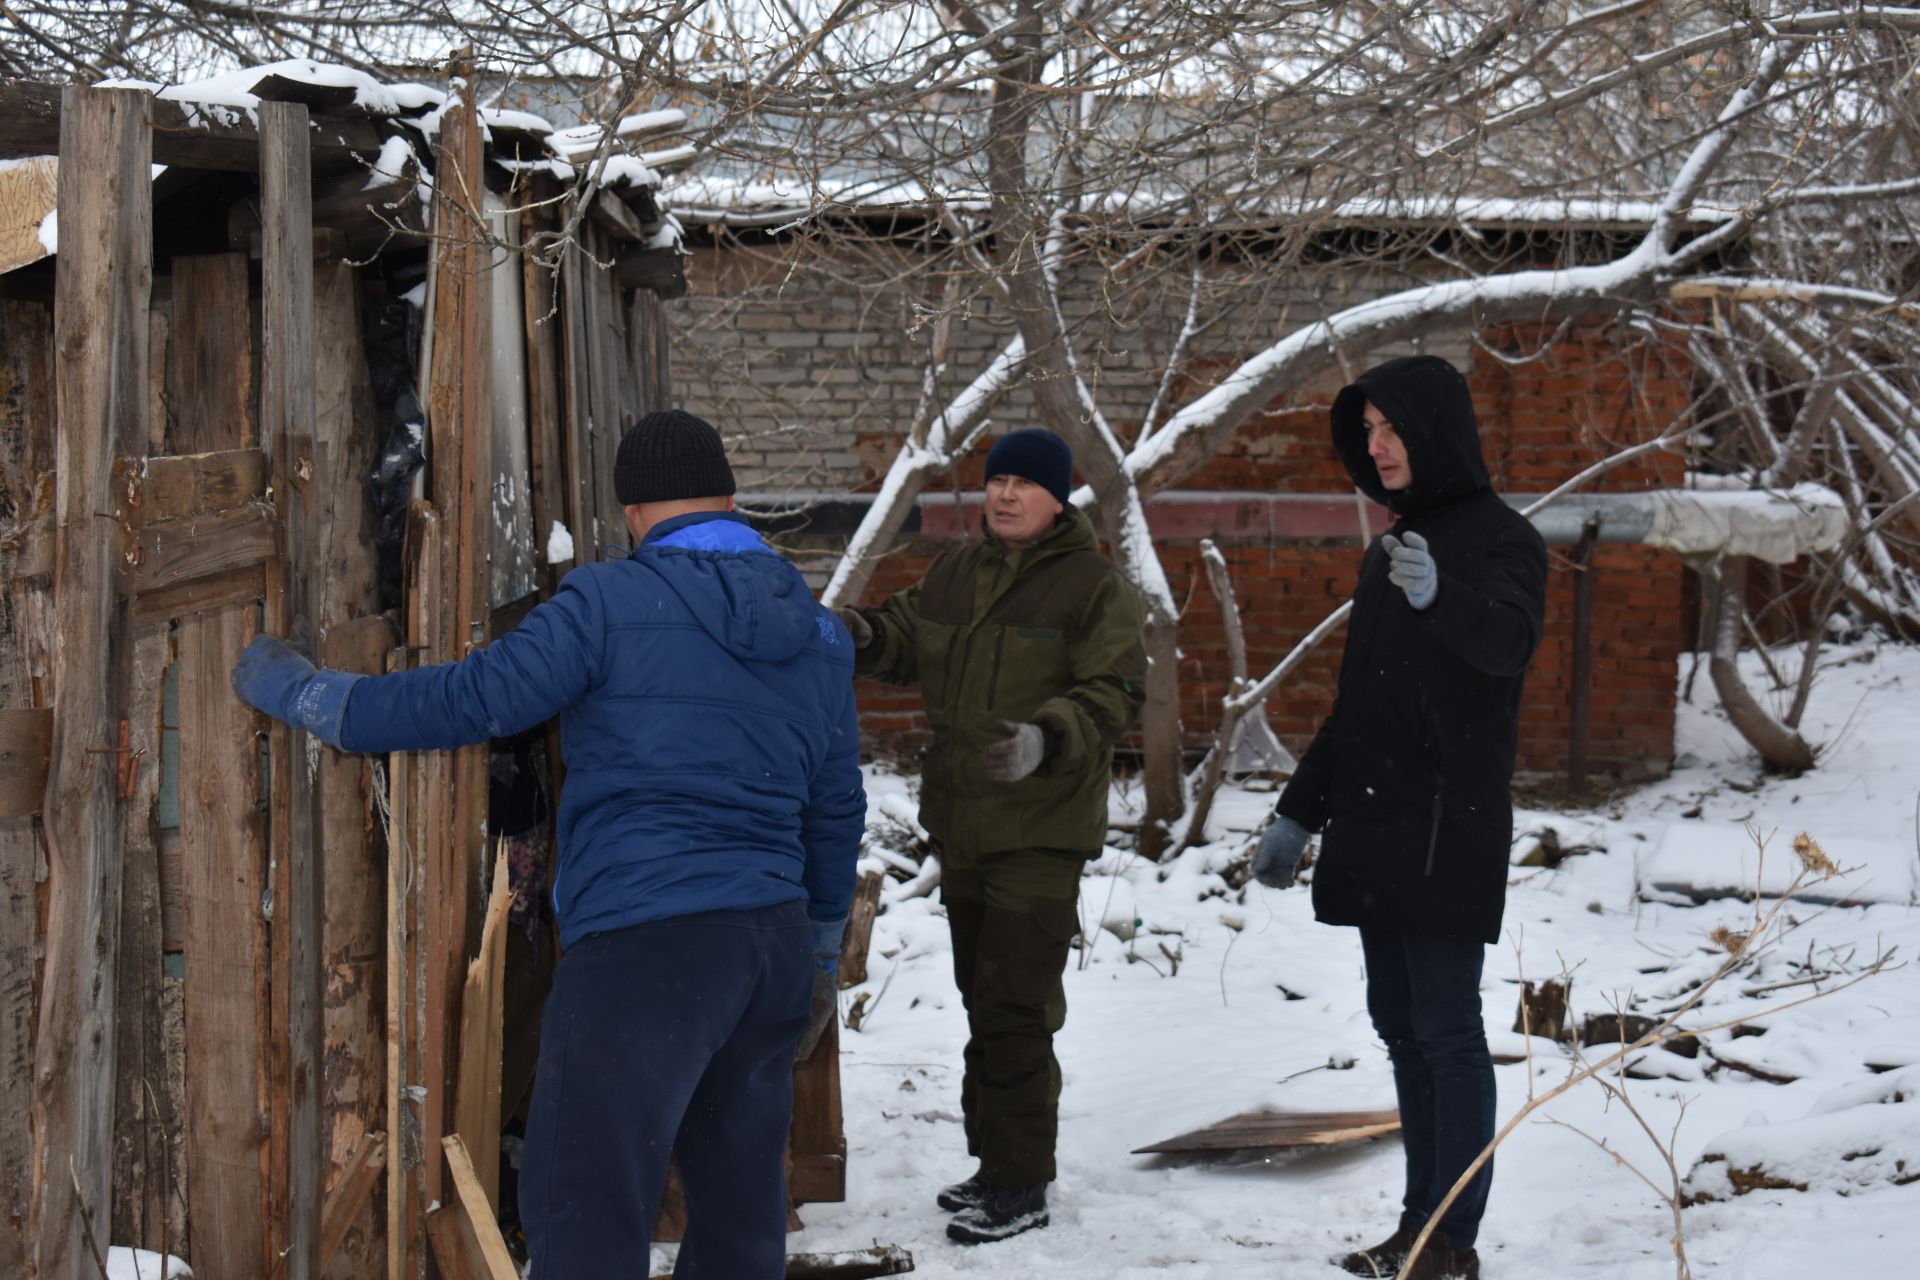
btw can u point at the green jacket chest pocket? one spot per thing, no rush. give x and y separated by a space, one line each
1031 665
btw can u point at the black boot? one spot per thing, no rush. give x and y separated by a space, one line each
962 1195
1384 1259
1441 1261
1002 1212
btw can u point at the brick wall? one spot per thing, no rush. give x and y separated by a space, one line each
814 383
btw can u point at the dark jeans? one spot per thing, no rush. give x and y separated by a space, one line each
1424 996
670 1038
1013 916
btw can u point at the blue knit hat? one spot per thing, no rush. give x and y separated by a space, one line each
1037 455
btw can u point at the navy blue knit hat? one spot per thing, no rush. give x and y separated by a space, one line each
1037 455
668 455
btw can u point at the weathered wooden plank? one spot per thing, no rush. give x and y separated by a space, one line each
546 420
186 599
649 347
212 354
460 426
476 1105
859 935
606 409
100 319
184 134
1265 1130
817 1145
610 212
483 1253
287 380
354 637
577 428
195 484
180 551
225 878
26 748
144 1113
422 816
350 1194
26 456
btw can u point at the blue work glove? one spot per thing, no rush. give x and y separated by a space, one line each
274 677
825 1001
1278 856
1018 754
1413 571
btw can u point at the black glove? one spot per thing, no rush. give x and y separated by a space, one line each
857 626
1017 755
1278 856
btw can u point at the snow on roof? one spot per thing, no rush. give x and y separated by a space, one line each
773 198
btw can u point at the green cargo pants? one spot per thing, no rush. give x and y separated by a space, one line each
1013 916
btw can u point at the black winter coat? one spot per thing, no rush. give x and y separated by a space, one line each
1410 776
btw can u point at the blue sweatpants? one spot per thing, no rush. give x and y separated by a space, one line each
669 1038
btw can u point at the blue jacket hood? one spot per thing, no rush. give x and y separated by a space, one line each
752 602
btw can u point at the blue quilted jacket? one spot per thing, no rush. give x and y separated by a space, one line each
707 718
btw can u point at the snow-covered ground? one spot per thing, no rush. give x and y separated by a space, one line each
1148 1052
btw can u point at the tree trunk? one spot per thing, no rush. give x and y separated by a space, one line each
1781 748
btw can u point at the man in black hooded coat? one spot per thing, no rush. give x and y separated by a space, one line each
1409 778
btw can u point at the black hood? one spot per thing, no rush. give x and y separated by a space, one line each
1428 403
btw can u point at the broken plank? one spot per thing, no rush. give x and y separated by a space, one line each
26 745
476 1098
484 1252
846 1264
1273 1130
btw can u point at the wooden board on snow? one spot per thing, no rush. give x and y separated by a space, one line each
1271 1130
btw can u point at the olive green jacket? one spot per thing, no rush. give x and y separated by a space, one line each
1051 636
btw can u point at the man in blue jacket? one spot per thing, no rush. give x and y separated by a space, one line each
708 829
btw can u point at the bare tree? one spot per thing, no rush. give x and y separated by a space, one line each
1064 166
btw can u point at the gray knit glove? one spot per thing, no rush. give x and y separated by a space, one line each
1017 755
1413 571
1278 856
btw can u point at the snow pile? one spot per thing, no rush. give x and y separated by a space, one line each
1699 862
138 1264
559 544
1864 1135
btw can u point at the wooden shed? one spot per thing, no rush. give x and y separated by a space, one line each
352 366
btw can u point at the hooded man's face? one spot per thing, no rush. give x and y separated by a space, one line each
1387 449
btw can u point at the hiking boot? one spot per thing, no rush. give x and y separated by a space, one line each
962 1195
1002 1212
1384 1259
1441 1261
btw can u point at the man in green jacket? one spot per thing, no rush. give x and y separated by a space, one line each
1027 648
